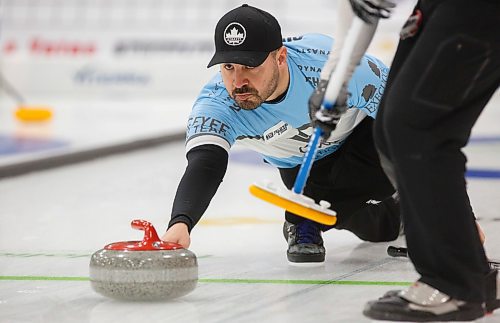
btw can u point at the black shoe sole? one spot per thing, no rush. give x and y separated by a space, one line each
304 258
450 317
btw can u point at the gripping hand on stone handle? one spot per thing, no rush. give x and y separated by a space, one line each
178 233
327 120
371 10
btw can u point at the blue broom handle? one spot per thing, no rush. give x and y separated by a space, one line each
332 91
305 168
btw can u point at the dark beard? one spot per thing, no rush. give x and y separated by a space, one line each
256 99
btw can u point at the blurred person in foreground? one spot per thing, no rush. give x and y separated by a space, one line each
446 68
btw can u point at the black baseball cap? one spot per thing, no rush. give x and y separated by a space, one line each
246 35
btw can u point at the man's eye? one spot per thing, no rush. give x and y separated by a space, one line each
228 66
249 67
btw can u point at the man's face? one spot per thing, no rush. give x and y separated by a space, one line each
251 86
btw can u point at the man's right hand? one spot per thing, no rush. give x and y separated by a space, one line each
178 233
371 10
327 120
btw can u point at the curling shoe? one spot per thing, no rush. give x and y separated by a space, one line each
492 291
305 244
422 303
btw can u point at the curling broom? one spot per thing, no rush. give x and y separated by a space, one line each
294 201
25 112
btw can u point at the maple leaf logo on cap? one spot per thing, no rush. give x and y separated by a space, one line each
234 34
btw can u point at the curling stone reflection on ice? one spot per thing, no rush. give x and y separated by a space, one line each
147 270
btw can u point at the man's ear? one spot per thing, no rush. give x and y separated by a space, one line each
282 53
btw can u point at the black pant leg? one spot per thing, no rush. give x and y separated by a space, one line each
348 179
403 50
432 103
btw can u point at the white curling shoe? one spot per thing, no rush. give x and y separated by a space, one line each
422 303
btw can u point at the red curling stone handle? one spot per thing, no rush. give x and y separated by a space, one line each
150 235
151 241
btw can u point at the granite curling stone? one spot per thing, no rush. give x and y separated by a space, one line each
147 270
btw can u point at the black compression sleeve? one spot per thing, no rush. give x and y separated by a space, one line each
206 168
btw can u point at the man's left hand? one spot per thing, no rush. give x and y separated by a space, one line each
371 10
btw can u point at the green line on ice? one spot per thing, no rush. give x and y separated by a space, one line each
230 281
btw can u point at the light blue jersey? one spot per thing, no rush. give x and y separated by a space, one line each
280 131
